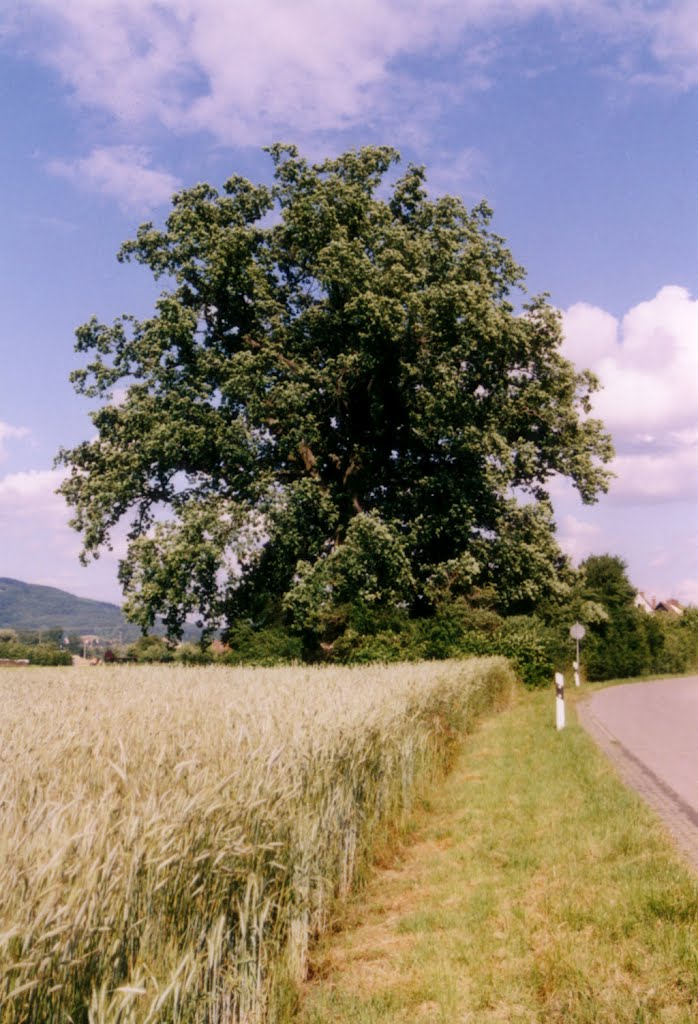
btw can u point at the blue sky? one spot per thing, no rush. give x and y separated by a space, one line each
576 119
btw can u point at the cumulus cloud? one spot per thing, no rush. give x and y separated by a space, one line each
687 591
247 69
33 520
10 433
577 538
454 173
38 544
672 34
648 366
122 173
663 476
32 490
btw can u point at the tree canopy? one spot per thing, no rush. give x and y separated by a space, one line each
341 396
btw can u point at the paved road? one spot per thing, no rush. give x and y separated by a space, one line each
650 731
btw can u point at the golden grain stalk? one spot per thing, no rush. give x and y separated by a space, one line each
171 839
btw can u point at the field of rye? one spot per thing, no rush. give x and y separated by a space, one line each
171 839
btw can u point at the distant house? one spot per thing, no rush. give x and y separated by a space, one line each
89 640
651 604
671 605
645 603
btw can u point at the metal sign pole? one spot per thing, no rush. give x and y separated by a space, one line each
577 632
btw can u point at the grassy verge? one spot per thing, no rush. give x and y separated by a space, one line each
537 889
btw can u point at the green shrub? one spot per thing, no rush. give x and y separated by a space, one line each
193 654
531 646
36 654
677 647
13 649
149 649
618 648
270 645
354 648
45 654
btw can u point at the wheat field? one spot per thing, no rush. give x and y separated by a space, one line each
171 839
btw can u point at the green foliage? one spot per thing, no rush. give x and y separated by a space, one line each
615 646
451 580
192 654
368 572
457 629
671 641
679 650
47 654
531 647
618 648
271 645
354 648
13 649
605 580
36 654
149 649
42 647
333 407
621 641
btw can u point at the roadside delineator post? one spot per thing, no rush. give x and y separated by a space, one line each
575 666
559 700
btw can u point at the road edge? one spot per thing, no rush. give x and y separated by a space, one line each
678 817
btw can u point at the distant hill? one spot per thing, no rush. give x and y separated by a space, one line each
30 606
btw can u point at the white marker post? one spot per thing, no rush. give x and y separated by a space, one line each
575 666
559 701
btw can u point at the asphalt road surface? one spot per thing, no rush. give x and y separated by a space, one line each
650 731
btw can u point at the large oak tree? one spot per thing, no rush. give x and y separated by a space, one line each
340 396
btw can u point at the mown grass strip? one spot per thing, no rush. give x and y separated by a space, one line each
538 889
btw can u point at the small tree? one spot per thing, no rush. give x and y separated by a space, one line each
616 645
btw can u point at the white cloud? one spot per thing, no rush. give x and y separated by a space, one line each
122 173
24 494
648 366
687 591
590 334
10 433
577 538
666 476
673 41
38 546
33 523
249 69
456 172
